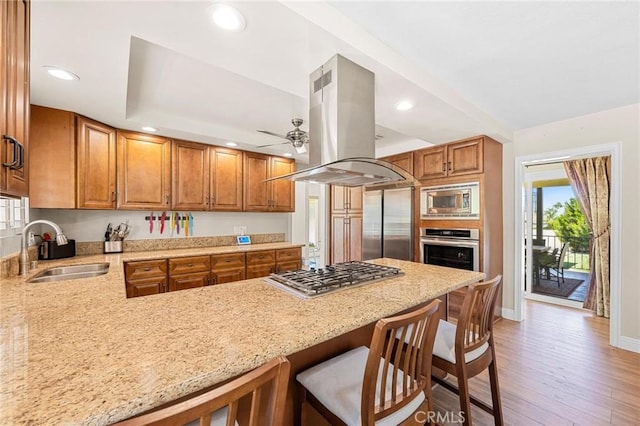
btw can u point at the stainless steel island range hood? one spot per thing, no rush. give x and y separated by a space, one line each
342 130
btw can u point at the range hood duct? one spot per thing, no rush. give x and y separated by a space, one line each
342 130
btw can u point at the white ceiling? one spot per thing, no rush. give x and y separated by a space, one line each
470 67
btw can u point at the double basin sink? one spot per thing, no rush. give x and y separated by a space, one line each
63 273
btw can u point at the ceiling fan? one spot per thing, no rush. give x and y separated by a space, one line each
296 137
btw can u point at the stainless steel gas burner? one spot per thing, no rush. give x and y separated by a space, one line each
316 282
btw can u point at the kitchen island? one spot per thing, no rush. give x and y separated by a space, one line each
80 352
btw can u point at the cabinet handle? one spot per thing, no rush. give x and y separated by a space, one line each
166 198
449 165
444 167
17 157
147 269
190 265
212 199
114 195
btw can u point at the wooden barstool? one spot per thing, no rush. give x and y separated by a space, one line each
266 385
386 384
466 349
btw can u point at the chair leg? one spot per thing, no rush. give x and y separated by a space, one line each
495 393
463 394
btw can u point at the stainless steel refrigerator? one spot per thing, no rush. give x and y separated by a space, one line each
388 224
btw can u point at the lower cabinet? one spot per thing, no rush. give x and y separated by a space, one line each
148 277
189 272
226 268
454 304
261 263
145 277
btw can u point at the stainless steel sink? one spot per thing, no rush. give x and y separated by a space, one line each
63 273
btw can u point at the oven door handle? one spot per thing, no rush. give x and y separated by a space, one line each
450 243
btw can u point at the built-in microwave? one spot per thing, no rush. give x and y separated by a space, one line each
455 201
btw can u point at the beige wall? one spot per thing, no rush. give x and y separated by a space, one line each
616 125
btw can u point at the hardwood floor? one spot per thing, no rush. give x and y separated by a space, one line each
557 368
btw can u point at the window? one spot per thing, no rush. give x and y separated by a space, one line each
14 214
313 251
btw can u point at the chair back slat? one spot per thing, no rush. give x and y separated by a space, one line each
399 363
475 324
266 385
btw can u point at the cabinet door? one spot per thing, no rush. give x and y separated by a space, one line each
339 200
190 176
96 146
430 163
339 239
404 160
454 303
466 157
52 148
292 265
258 271
354 205
255 190
228 275
185 281
282 191
146 287
354 226
14 86
226 179
144 171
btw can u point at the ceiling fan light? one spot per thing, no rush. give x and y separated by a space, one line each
301 149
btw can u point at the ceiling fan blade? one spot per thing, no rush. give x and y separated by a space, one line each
272 134
272 144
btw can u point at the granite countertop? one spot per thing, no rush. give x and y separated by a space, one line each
80 352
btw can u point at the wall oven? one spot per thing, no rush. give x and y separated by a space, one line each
455 248
455 201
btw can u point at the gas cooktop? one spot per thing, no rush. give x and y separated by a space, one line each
316 282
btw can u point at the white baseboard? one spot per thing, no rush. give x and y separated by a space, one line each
509 314
629 344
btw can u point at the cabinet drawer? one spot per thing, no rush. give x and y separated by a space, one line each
145 269
227 275
227 261
146 286
291 265
261 257
258 271
188 265
183 282
285 255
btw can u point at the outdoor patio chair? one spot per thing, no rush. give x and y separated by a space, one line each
554 264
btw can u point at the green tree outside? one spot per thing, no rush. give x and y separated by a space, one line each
570 226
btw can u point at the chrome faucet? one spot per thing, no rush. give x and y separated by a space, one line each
24 248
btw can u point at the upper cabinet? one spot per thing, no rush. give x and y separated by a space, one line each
52 149
14 102
205 177
404 160
346 200
276 196
96 163
144 171
454 159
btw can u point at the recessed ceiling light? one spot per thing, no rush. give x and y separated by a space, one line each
60 73
288 154
227 17
404 105
231 144
149 129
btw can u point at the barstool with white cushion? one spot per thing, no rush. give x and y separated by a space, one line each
385 384
466 349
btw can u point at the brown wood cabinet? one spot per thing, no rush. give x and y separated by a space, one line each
226 268
260 196
144 171
189 272
346 224
146 277
261 263
205 177
453 159
288 259
14 98
52 149
404 160
96 164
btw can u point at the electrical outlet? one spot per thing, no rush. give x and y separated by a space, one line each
236 230
242 229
